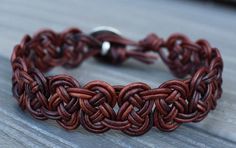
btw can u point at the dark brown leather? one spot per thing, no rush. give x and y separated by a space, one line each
140 107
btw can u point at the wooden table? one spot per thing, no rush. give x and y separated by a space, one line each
135 19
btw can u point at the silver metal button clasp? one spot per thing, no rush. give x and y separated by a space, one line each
106 29
106 45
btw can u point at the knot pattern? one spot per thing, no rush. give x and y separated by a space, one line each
134 109
152 42
97 106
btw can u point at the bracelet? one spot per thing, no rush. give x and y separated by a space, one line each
97 105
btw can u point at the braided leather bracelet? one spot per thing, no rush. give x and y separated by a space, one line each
93 105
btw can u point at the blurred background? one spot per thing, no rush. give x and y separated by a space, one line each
225 2
231 3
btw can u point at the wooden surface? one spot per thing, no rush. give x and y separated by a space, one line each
135 19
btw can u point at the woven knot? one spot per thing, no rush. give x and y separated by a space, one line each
134 109
97 102
152 42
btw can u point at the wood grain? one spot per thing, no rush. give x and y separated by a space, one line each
135 19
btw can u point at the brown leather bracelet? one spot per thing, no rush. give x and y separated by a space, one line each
98 106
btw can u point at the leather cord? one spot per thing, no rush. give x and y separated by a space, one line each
140 107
